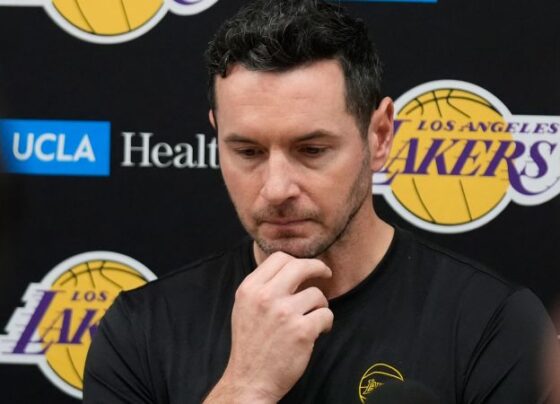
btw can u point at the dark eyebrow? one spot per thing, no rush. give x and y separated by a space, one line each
236 138
317 134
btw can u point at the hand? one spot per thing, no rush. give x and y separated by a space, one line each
274 328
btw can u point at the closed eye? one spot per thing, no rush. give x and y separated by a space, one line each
248 152
313 151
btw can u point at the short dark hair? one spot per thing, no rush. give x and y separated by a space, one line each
278 35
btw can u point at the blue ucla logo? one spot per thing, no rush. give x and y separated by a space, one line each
47 147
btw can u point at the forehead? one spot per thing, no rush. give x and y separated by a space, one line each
303 76
310 95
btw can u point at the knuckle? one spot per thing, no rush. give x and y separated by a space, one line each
263 299
245 290
329 320
241 292
249 278
282 312
304 334
317 296
316 293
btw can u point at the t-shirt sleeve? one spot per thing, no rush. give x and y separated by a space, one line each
114 371
507 365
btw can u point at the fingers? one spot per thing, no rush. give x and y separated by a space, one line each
275 324
312 305
295 272
320 320
269 268
281 274
307 300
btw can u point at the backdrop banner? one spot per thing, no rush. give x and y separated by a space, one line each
110 169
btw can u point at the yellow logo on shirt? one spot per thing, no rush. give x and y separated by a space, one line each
376 376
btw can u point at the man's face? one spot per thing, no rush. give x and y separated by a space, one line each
292 157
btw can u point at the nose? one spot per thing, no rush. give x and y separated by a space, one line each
280 180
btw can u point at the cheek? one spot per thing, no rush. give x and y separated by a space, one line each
338 188
242 190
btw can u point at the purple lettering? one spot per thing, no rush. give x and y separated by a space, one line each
483 127
542 169
410 148
436 126
501 154
540 128
497 127
513 127
422 125
466 155
525 128
27 334
85 325
64 336
538 159
397 125
434 154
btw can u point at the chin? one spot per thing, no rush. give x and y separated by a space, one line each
296 247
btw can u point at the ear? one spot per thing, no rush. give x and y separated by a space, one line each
212 118
380 133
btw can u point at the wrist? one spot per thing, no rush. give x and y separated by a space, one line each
231 392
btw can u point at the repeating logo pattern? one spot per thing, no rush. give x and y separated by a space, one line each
61 314
111 21
459 157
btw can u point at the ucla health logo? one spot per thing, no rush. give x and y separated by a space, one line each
55 147
111 21
459 157
53 329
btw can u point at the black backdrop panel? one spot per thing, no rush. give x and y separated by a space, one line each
155 84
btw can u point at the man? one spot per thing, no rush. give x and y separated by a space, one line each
328 303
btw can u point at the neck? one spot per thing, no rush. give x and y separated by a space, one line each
355 255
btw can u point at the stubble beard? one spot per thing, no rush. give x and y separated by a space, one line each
291 244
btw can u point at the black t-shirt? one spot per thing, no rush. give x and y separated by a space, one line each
422 315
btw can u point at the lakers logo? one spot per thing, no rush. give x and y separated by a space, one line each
459 157
375 377
62 313
111 21
106 17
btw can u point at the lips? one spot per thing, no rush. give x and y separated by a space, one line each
285 222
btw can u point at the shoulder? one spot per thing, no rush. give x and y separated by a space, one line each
485 312
452 273
203 280
471 296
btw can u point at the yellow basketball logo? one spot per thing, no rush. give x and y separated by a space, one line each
62 313
111 21
375 377
107 17
437 117
459 157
